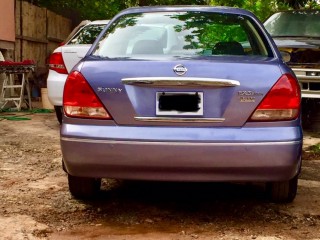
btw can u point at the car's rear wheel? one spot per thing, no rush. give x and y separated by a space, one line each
83 187
58 110
283 192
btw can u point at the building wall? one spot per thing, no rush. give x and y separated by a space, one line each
7 27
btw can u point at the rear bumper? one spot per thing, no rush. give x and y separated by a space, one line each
206 156
55 84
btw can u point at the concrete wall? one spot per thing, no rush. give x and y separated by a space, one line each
7 27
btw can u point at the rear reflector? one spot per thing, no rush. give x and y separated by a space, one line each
56 63
80 101
281 103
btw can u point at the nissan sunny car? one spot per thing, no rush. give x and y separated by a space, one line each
193 94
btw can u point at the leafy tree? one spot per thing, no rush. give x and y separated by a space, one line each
106 9
84 9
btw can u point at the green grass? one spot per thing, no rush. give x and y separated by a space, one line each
315 148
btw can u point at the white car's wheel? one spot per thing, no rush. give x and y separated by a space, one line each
58 110
83 187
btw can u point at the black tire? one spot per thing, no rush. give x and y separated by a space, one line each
58 110
283 192
83 187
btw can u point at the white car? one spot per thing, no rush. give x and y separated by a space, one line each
65 57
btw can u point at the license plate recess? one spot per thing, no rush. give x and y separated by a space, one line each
179 103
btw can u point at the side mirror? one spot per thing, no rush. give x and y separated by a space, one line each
285 56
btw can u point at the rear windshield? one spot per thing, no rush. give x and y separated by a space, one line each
294 24
181 34
87 35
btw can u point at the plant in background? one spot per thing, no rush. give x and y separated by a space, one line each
106 9
315 148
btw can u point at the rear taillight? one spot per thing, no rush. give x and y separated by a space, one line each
56 63
80 101
281 103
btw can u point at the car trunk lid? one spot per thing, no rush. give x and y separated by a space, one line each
220 92
72 54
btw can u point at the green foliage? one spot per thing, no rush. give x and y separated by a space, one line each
315 148
106 9
264 8
83 9
261 8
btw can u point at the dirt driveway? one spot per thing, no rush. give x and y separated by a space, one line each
35 202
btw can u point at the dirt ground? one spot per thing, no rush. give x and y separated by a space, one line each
35 202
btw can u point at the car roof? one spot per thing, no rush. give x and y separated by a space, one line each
295 11
98 22
217 9
300 10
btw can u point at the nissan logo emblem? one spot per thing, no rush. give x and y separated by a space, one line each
180 69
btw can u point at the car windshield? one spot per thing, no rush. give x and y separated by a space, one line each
294 24
87 35
181 34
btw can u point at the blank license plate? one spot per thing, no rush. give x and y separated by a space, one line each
179 103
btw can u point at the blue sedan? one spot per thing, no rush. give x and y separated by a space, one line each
183 94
